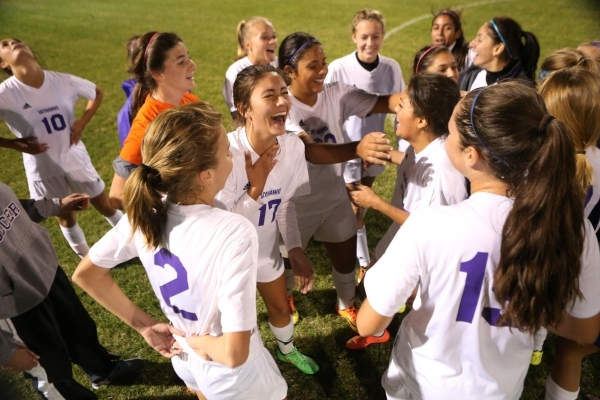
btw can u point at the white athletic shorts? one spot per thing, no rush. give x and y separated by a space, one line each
393 384
258 378
85 180
270 272
354 171
334 226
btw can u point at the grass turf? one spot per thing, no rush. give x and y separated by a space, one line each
87 39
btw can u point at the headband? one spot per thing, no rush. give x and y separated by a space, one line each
310 41
545 122
501 37
477 136
152 39
423 55
543 74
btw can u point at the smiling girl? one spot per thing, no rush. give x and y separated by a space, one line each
165 75
502 50
38 107
366 69
436 59
446 30
257 42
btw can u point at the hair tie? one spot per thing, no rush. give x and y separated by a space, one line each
477 135
423 55
545 122
580 152
543 74
311 40
149 43
501 37
148 169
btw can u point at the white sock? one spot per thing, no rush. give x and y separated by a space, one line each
555 392
379 334
345 286
76 239
284 336
362 248
289 281
539 338
115 218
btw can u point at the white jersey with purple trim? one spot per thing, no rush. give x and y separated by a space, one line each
451 344
384 80
592 201
424 179
204 275
46 113
230 76
288 179
323 122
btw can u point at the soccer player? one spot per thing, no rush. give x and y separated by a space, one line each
165 75
257 43
37 106
502 50
125 117
436 59
269 172
446 30
492 269
201 261
366 69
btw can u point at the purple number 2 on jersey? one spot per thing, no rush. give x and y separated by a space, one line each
475 270
178 285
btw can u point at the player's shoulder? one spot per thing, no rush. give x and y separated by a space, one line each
343 62
291 142
232 223
236 67
388 61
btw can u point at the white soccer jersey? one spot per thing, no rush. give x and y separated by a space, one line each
288 179
592 201
422 180
323 122
232 72
205 274
450 344
47 113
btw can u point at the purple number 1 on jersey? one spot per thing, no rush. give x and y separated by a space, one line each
177 285
475 270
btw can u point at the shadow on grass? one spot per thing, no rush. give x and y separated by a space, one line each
153 374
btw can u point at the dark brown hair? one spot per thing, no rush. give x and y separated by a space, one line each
293 48
461 47
149 55
426 56
542 238
178 144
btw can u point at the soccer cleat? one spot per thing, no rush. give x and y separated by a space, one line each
293 311
349 315
359 342
536 357
361 274
402 309
299 360
122 369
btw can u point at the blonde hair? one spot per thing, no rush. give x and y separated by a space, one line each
365 15
571 96
178 144
243 31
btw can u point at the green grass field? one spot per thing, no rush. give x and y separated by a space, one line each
86 38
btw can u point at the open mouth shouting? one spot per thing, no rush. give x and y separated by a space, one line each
279 118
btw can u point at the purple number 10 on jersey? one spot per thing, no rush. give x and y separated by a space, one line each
178 285
475 270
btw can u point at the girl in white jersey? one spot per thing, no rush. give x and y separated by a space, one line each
201 261
37 106
366 69
257 42
446 30
319 110
572 96
425 176
492 269
263 190
436 59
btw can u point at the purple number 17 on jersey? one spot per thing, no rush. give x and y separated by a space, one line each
177 285
475 270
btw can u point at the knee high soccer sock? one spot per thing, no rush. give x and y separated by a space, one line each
555 392
362 248
345 286
76 239
284 336
539 338
115 218
289 280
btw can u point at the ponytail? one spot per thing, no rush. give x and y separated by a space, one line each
542 239
530 54
243 33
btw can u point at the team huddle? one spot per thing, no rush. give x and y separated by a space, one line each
495 211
